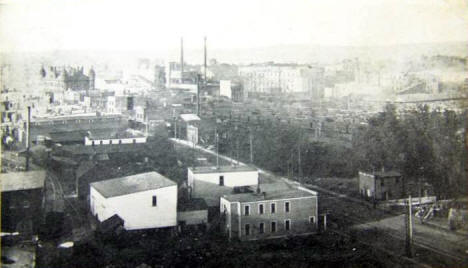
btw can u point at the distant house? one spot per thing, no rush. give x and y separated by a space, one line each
275 210
381 185
210 183
191 125
142 201
22 195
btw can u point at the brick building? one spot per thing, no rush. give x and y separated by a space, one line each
274 210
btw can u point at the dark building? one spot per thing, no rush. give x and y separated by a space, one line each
72 129
63 78
381 185
22 196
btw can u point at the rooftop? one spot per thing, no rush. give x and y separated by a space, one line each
132 184
190 117
16 181
75 117
222 169
270 191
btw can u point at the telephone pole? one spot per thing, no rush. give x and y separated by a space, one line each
217 145
251 145
409 230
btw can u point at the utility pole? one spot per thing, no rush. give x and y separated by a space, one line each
175 128
251 145
409 230
217 145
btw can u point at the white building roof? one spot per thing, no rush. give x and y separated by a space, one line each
190 117
222 169
132 184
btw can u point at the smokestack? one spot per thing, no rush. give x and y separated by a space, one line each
28 137
181 60
198 94
204 63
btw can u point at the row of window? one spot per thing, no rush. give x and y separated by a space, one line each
261 208
273 226
70 121
110 142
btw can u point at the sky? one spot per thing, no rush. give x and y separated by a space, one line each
42 25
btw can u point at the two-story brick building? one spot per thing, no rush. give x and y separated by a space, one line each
272 210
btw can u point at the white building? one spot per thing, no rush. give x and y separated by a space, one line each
146 200
210 183
282 78
191 123
225 88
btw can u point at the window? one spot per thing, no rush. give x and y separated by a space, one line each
287 225
260 209
312 219
273 208
273 226
286 206
261 228
221 180
247 210
247 229
155 201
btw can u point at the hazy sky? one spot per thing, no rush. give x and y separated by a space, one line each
101 24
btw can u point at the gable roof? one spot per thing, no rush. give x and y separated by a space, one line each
16 181
132 184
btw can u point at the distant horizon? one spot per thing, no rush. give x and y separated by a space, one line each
38 25
281 53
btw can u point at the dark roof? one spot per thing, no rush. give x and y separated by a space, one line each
222 169
28 180
80 149
132 184
64 136
111 224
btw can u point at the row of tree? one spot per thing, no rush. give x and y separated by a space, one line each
422 144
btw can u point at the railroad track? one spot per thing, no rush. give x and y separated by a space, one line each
359 220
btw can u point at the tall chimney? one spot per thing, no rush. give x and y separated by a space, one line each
198 94
28 137
204 62
181 60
